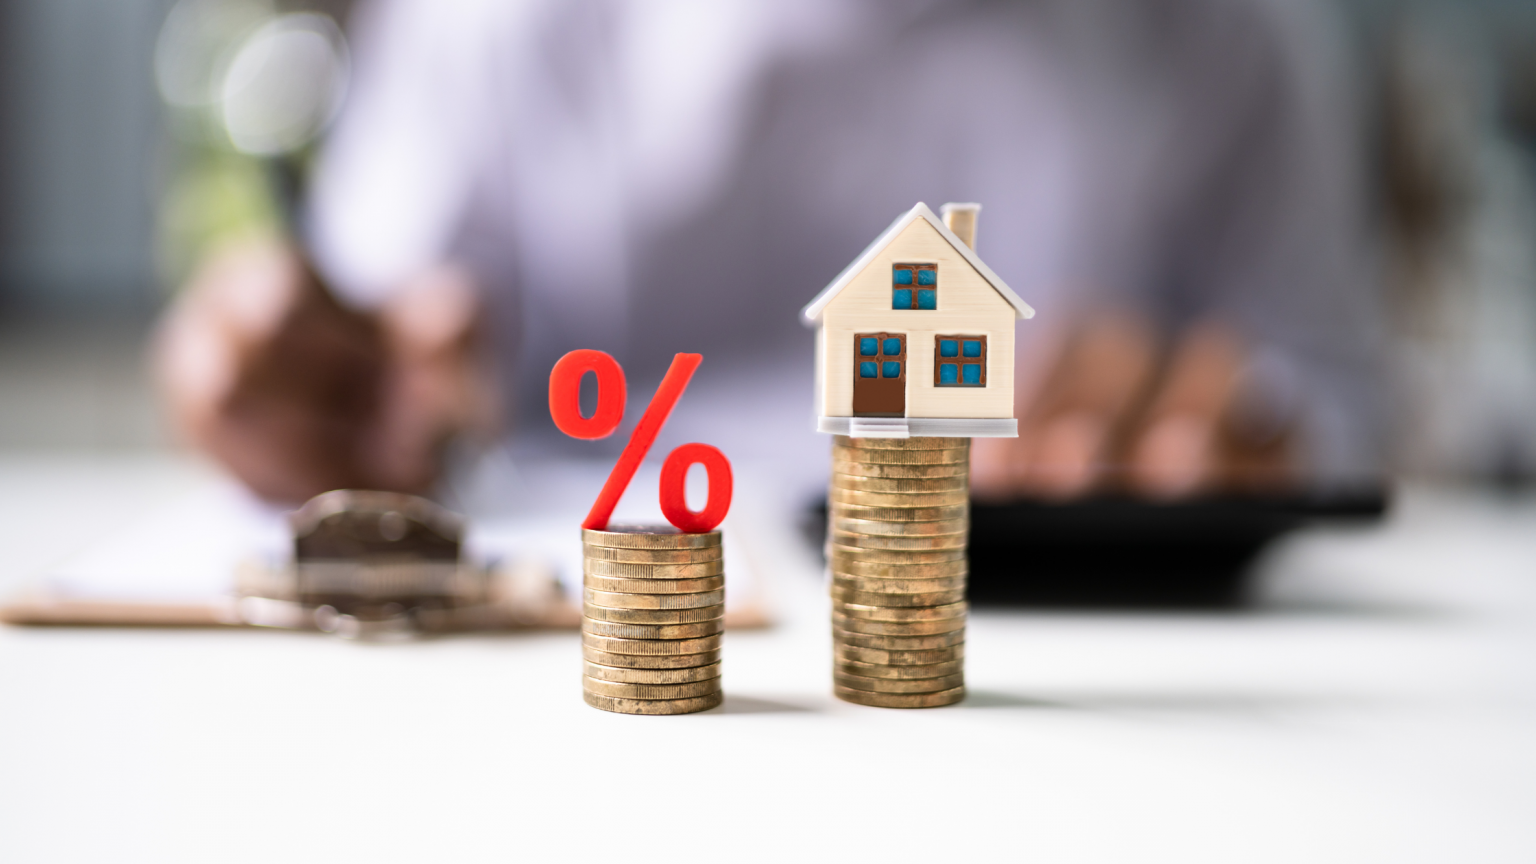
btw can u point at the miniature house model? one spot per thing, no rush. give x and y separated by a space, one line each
915 337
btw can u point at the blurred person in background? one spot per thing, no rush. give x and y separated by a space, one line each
1174 184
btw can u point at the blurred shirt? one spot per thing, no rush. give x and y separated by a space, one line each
683 175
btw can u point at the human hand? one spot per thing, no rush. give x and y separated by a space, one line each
297 395
1117 413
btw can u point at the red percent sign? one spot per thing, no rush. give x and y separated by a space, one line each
565 408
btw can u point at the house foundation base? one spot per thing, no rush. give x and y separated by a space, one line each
919 427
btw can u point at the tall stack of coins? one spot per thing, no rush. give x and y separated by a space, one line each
899 518
653 599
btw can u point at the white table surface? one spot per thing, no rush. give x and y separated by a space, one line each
1379 705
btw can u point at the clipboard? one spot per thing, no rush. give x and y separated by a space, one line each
220 559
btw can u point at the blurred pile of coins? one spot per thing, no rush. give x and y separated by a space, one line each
898 522
653 601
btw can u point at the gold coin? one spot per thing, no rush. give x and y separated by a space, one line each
930 457
899 499
899 700
922 657
621 675
837 552
651 691
651 647
648 537
855 468
880 528
620 570
653 586
950 465
958 456
653 706
617 600
897 628
898 643
932 485
871 585
653 616
885 613
839 564
649 661
862 584
873 670
930 542
896 601
898 514
901 443
651 556
879 570
654 631
899 685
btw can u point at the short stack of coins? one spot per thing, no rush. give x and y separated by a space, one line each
653 603
898 523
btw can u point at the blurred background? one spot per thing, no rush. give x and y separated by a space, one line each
111 182
138 135
116 172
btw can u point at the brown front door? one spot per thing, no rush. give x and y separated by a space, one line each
879 375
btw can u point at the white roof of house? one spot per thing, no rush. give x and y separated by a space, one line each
812 312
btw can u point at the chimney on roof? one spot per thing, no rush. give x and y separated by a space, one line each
961 219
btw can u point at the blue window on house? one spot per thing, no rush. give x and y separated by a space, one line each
880 356
904 276
960 361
